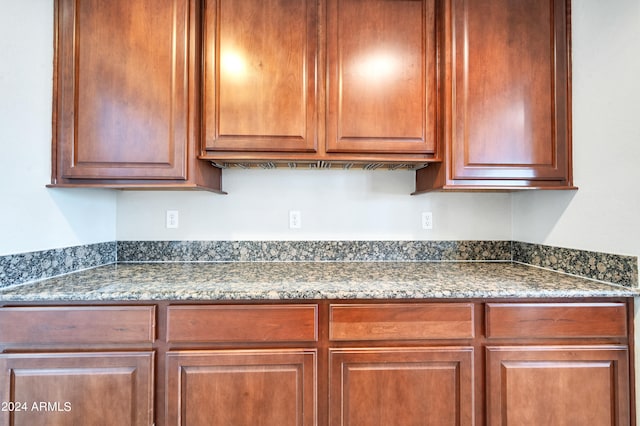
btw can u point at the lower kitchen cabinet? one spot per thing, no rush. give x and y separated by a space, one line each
570 366
401 386
374 362
241 387
558 385
256 364
77 365
60 389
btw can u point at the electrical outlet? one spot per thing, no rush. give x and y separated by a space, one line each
172 218
295 219
427 220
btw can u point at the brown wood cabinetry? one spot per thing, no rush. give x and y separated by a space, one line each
321 363
403 386
395 365
241 387
381 62
260 88
69 326
507 103
401 321
568 369
126 95
91 388
558 385
64 365
147 93
339 80
556 320
242 324
223 368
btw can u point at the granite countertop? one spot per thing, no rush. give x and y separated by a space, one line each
310 280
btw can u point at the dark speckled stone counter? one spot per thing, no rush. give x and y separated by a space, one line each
310 280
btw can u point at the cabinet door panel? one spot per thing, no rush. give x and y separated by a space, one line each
78 388
558 385
241 387
408 386
510 90
260 75
122 88
381 76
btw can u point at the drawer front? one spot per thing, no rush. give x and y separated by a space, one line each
76 325
410 321
556 320
242 323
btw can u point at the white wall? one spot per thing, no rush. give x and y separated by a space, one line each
604 214
32 217
335 205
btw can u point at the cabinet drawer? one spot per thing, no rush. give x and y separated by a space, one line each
401 321
556 320
242 323
97 325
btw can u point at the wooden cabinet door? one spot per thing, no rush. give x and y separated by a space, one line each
510 106
558 386
381 76
241 387
260 71
122 89
110 389
401 386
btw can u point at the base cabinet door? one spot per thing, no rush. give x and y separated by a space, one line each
401 386
61 389
560 386
241 387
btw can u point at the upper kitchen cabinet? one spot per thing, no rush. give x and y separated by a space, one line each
126 95
381 76
507 115
328 80
260 75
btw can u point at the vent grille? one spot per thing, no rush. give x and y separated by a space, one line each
318 165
